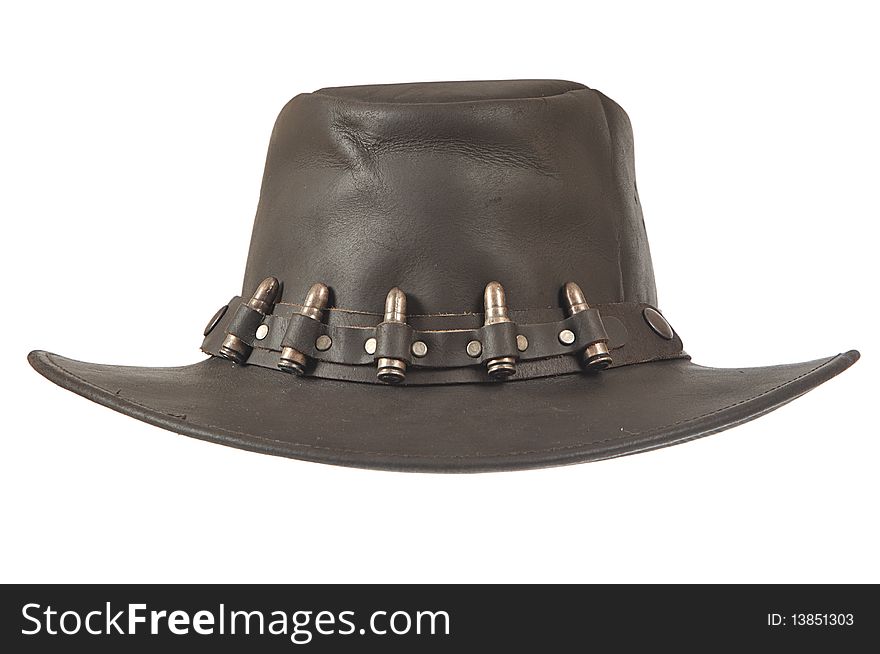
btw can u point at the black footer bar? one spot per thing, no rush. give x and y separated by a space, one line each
426 618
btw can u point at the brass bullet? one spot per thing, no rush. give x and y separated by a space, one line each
393 371
262 301
292 360
596 355
495 306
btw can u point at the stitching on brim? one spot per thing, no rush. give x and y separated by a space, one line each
643 434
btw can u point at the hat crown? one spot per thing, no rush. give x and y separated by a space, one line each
439 188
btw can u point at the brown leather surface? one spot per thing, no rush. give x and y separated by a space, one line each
455 428
420 92
442 188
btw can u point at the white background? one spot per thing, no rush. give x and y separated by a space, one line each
132 141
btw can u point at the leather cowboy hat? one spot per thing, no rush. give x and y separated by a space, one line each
446 276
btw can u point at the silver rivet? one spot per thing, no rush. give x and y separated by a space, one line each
474 349
566 337
323 343
419 349
522 343
262 332
370 346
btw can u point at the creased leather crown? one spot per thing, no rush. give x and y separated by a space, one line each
440 188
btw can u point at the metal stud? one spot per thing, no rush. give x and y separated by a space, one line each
388 370
292 360
658 323
474 349
566 337
370 346
323 343
522 343
596 355
262 301
419 349
262 332
495 305
217 317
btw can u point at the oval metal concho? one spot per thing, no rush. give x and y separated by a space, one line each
658 323
215 319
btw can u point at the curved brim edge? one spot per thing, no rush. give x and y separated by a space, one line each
56 369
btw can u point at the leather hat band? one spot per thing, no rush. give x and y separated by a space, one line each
441 349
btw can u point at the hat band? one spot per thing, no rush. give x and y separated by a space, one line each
443 348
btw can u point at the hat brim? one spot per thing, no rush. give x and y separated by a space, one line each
456 428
